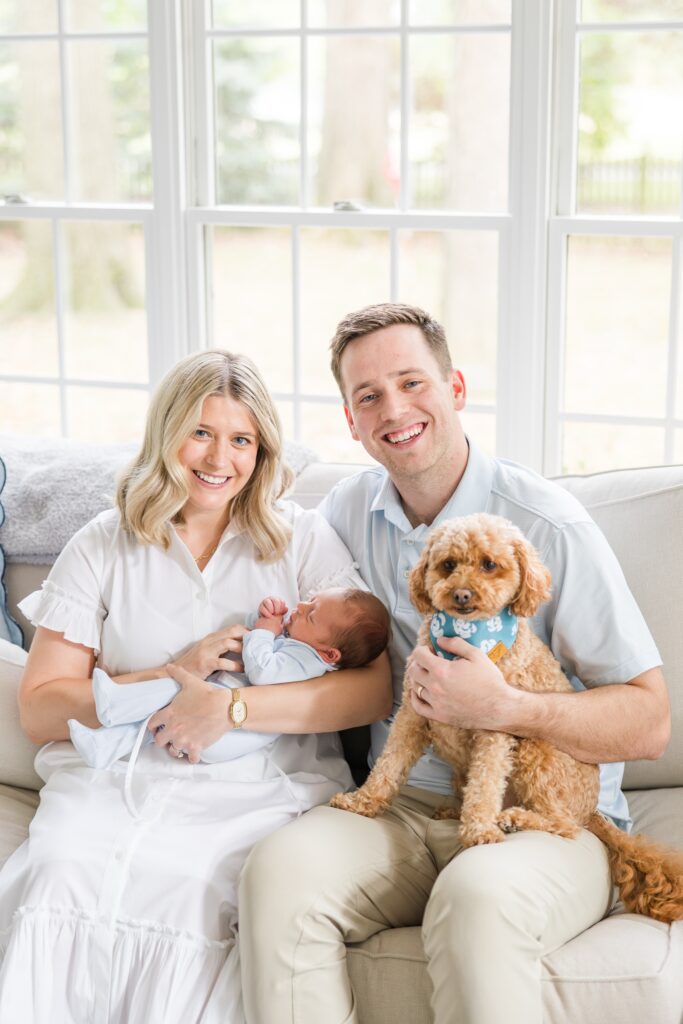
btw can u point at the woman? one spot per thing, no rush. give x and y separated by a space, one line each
121 906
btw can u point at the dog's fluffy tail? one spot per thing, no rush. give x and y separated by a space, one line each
649 877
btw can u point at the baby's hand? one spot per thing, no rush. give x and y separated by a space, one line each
273 623
272 607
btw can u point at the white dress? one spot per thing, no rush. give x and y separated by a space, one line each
121 907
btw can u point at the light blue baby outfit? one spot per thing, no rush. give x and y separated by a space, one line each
124 708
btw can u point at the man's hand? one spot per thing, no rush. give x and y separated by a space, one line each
195 719
470 693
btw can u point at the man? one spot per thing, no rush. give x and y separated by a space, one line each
490 911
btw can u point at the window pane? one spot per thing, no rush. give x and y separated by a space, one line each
286 414
460 125
353 13
256 14
453 275
21 16
679 374
341 271
325 430
631 10
678 446
104 15
106 414
257 107
31 409
105 325
31 158
28 326
354 116
481 427
460 12
630 126
617 325
252 310
110 140
593 447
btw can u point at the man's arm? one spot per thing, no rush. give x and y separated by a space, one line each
614 722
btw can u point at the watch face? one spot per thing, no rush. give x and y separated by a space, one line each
238 711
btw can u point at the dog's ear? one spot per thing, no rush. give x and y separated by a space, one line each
535 580
417 587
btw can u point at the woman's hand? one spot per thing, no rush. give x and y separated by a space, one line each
205 657
195 719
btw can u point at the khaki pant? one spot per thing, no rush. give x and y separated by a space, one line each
488 914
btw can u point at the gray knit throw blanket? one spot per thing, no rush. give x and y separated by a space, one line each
54 487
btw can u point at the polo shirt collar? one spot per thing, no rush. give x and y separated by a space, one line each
471 494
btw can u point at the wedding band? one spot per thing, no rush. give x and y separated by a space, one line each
420 691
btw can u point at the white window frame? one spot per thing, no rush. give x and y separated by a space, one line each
565 222
532 234
521 231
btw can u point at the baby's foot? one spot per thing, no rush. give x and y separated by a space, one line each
122 703
99 748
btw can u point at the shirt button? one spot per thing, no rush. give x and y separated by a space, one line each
406 573
410 541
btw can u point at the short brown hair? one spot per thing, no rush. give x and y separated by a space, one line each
386 314
366 632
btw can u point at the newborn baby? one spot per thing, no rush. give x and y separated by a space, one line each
337 628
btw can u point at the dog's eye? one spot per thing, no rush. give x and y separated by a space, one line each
449 565
487 565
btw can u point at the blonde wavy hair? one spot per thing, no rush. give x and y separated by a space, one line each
152 490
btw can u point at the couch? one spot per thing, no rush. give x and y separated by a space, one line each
626 969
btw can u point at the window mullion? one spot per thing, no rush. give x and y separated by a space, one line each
60 294
522 265
672 358
296 328
167 307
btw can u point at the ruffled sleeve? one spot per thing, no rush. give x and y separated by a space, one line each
69 601
323 560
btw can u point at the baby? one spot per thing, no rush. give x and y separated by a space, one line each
337 628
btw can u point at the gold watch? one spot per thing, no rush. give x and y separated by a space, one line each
237 710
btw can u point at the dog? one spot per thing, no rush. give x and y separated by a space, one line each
478 573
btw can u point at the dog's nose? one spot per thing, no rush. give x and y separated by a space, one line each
462 597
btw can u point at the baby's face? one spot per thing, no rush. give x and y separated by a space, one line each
318 621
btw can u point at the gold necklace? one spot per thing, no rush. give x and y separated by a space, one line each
207 554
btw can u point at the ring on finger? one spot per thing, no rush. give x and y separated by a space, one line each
175 752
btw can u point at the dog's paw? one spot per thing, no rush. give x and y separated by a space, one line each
507 823
357 803
445 814
479 834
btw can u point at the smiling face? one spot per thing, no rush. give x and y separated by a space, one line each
219 457
398 403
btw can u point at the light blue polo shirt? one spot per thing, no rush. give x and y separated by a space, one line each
591 623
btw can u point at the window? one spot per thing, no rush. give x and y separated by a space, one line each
614 384
243 174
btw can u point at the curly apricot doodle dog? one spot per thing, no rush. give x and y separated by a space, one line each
478 568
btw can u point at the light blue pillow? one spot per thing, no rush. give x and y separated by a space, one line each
9 629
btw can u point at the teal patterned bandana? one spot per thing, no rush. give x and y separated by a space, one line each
493 636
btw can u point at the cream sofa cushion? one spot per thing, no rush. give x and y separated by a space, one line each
641 514
16 750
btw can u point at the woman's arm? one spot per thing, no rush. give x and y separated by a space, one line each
57 680
56 685
338 700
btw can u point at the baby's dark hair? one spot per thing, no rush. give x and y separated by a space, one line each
366 629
